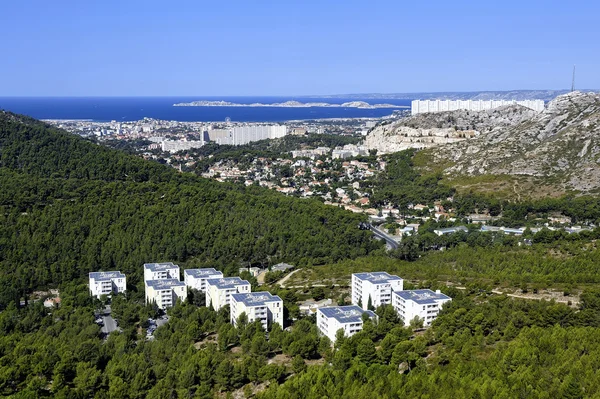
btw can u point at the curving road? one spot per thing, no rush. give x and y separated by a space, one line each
389 240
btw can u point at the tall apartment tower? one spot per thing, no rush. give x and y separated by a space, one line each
374 288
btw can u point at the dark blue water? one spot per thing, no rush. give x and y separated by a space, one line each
136 108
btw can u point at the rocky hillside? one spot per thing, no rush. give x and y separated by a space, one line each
561 143
431 130
558 148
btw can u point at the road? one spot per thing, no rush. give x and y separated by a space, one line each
109 325
287 277
389 240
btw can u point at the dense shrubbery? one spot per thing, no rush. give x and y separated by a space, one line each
478 347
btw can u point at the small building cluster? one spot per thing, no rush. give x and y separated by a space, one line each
369 291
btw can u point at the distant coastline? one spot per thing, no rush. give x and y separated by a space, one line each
289 104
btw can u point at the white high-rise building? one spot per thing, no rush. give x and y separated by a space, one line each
423 106
165 292
160 271
107 283
347 318
377 287
180 145
245 134
219 290
424 304
196 278
258 306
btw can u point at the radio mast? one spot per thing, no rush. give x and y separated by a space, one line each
573 81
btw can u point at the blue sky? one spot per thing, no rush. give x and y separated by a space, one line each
211 48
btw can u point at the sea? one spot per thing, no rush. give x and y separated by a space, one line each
105 109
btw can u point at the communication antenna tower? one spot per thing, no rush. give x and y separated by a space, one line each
573 81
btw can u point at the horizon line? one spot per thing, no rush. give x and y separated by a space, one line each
288 95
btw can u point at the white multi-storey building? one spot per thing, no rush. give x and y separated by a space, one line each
165 292
160 271
196 278
180 145
424 304
258 306
347 318
219 290
377 287
422 106
245 134
106 283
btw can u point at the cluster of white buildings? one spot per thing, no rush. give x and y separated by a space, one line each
349 151
312 154
423 106
370 290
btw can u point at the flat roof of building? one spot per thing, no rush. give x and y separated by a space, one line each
256 298
281 266
159 267
165 283
227 282
106 275
346 314
376 277
452 229
203 273
422 297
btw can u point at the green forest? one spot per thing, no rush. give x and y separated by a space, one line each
69 206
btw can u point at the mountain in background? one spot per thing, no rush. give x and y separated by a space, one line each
518 95
515 149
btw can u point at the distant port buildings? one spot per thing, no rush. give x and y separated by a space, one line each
423 106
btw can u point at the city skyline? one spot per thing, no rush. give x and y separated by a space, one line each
294 49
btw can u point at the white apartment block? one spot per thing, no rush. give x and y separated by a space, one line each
180 145
347 318
160 271
196 278
165 292
424 304
258 306
219 290
378 286
106 283
422 106
245 134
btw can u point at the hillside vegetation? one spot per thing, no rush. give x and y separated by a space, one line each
68 207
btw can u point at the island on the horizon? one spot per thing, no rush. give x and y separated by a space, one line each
288 104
